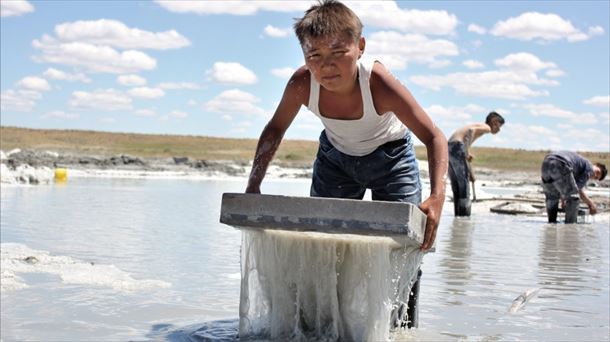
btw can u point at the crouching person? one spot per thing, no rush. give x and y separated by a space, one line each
564 175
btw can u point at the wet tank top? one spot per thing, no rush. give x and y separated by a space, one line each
359 137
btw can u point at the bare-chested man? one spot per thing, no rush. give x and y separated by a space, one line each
460 171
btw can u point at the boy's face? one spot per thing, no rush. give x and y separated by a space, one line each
597 172
332 60
495 126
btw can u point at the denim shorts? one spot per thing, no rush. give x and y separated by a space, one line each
558 180
390 172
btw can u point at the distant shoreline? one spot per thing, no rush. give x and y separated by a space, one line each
292 153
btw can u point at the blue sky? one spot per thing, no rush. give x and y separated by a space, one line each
218 68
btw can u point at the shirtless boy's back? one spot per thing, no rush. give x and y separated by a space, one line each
460 171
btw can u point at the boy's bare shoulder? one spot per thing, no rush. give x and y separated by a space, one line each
383 85
379 74
299 84
301 75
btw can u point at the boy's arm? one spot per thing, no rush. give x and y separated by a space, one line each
390 95
295 95
586 199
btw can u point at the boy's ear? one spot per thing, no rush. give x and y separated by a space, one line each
361 45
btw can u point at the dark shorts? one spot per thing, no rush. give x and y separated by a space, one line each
390 172
460 178
558 180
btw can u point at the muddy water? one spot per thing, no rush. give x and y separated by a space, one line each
146 259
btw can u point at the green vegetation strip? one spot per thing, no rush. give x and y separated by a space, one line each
298 152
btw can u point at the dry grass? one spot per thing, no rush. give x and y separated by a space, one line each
210 148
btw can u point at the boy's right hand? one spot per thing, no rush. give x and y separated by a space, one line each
432 207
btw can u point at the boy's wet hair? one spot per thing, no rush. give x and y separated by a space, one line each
494 115
603 169
328 17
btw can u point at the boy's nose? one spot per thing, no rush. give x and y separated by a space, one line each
327 61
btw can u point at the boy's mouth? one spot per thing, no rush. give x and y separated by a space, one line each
330 77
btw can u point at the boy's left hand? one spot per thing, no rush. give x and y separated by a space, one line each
432 207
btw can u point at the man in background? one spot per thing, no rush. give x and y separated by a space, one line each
460 171
564 176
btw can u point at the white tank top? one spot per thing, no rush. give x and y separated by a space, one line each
358 137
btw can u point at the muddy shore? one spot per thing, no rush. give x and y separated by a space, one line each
24 163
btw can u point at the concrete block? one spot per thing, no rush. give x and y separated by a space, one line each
325 215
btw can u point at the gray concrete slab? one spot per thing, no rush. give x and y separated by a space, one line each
327 215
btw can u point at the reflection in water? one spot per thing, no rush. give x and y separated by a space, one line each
458 249
566 252
169 231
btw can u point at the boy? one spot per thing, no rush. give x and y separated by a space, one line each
460 170
564 175
367 114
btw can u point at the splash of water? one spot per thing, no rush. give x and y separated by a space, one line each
316 286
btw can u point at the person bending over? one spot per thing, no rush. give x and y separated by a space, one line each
564 176
460 169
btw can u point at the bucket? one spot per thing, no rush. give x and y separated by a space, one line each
61 175
583 216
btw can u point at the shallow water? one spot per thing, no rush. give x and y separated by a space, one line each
146 259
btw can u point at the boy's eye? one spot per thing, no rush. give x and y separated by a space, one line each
338 53
314 56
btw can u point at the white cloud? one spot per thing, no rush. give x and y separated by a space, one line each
284 73
523 61
58 114
453 113
179 85
34 83
231 73
114 33
540 26
92 57
145 112
234 101
243 7
381 14
277 32
396 50
15 8
178 114
473 64
605 118
588 139
101 99
146 92
537 137
226 117
55 74
19 100
131 80
596 30
554 73
552 111
495 84
476 29
439 63
599 101
512 81
387 15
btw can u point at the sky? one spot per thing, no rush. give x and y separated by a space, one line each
219 68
